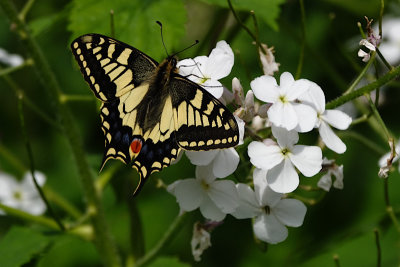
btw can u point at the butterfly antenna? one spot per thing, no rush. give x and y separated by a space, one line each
162 37
190 46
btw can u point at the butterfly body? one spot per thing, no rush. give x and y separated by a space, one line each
149 112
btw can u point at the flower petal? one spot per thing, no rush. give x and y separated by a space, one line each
224 194
7 186
265 196
214 87
337 119
268 229
225 162
290 212
286 80
297 88
338 173
189 194
210 210
325 182
264 157
265 88
220 61
201 158
307 117
331 140
204 174
314 97
307 159
248 204
283 178
283 115
285 138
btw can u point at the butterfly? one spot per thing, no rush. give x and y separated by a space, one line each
149 112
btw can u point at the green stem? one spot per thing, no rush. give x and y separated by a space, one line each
75 98
361 75
103 240
379 118
378 248
29 217
14 161
25 9
240 21
32 165
9 70
365 89
112 27
29 103
168 236
62 203
303 40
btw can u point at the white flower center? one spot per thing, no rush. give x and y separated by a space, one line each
285 152
18 195
283 99
267 210
205 185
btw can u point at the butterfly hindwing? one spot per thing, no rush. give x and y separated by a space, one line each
202 122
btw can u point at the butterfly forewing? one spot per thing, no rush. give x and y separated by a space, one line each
149 112
110 67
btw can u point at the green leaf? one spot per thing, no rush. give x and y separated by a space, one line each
267 10
168 262
134 22
43 24
20 245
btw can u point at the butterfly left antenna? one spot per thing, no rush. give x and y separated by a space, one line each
162 37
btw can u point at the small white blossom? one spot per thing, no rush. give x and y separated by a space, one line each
279 159
22 195
386 161
201 240
206 71
12 60
215 198
369 46
285 111
325 181
315 97
268 60
271 212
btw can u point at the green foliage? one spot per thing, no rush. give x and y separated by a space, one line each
134 22
341 222
20 245
267 10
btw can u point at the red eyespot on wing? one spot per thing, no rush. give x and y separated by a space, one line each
136 146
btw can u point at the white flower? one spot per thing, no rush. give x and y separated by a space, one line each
333 170
200 241
22 195
270 211
285 111
364 55
215 198
279 159
385 165
223 162
268 60
315 97
206 71
13 60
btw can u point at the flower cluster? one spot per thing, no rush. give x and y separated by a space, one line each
287 109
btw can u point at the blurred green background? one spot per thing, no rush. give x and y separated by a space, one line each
341 223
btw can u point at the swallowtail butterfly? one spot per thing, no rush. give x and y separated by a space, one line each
149 112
